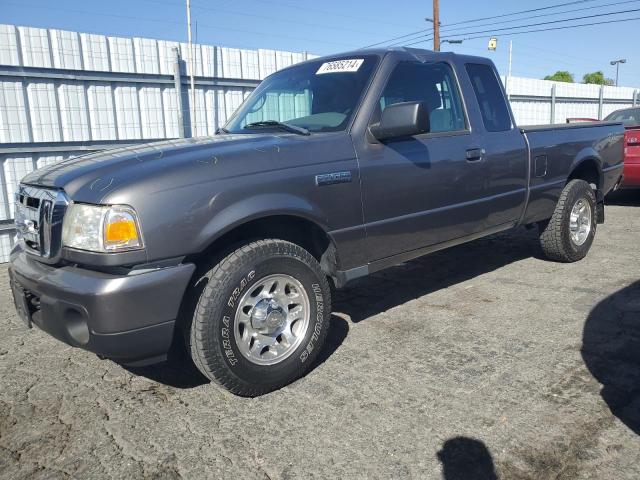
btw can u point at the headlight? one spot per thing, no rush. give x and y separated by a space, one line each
101 228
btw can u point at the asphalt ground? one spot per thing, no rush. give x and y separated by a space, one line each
483 361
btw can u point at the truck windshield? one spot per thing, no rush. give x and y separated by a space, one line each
319 96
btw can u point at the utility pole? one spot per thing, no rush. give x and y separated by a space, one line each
191 67
436 25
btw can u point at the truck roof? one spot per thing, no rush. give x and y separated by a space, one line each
419 53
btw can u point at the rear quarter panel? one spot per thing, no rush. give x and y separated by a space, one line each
556 151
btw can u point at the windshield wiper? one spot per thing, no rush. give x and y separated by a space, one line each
221 130
281 125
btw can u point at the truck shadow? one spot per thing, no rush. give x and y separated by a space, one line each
611 352
381 291
180 372
624 198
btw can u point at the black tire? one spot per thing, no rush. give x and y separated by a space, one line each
555 234
211 337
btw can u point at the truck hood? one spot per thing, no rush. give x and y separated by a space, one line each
90 178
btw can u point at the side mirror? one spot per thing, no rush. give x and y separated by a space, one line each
402 120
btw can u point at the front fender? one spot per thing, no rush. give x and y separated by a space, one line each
258 206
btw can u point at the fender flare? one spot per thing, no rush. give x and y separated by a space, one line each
588 154
239 213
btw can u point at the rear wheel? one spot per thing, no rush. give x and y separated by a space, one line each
569 234
262 317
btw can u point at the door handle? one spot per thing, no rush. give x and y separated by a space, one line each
475 154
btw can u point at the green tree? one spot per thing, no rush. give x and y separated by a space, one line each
597 78
560 76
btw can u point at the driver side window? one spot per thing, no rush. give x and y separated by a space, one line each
431 83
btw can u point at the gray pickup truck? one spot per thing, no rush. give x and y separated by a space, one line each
332 169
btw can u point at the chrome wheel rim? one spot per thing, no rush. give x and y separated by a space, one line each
272 319
580 221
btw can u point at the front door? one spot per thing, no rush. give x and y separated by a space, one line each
426 189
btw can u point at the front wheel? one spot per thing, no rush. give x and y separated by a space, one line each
262 317
569 234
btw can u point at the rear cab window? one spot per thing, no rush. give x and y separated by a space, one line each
493 105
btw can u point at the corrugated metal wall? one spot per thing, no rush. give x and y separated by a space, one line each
66 93
532 100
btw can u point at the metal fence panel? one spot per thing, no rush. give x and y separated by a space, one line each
35 47
9 46
43 111
94 52
72 105
121 54
101 111
14 126
65 47
127 112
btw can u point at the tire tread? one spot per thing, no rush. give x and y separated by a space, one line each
205 351
552 238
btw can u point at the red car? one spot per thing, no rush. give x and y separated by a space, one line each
631 119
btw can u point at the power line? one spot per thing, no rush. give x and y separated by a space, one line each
547 14
267 17
561 55
545 23
566 27
172 22
333 14
425 37
394 39
522 11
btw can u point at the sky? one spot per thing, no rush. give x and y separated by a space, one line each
332 26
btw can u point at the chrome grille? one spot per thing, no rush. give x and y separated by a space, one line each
38 216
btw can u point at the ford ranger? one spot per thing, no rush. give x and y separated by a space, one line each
332 169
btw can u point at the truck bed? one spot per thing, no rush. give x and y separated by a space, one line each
558 149
565 126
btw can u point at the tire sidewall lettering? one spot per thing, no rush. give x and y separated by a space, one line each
226 331
230 352
317 328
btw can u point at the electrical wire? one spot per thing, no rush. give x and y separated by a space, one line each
333 14
385 42
585 17
173 22
268 17
444 28
549 7
449 25
564 27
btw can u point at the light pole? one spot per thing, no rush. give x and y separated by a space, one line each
617 64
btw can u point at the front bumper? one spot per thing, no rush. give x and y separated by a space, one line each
127 318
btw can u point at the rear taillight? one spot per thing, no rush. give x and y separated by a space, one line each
633 141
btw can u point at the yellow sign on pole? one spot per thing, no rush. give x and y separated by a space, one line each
493 43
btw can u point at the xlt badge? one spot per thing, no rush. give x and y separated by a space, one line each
332 178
